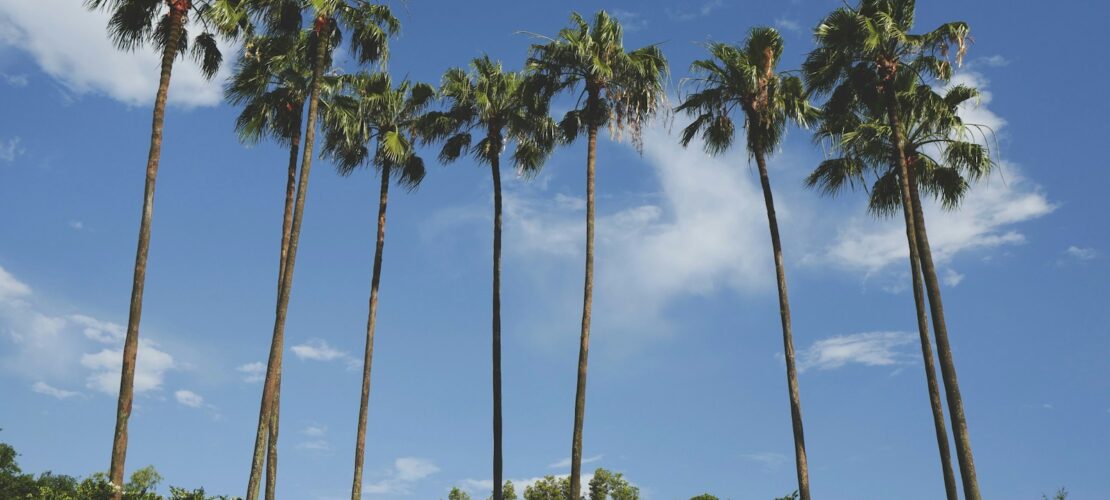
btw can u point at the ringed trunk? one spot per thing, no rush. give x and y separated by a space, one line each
587 302
495 167
277 344
131 341
368 355
787 333
286 229
905 186
944 350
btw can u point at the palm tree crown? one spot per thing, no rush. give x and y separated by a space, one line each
945 153
621 89
498 105
135 23
744 79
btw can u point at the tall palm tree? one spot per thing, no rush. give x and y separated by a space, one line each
272 82
163 24
369 26
862 53
497 106
614 87
375 112
743 79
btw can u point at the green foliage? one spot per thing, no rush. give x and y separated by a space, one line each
604 485
705 496
14 484
618 88
497 106
1061 494
743 79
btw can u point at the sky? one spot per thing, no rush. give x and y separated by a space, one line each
686 393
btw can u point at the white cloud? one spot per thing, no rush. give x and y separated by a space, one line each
1080 253
995 61
788 24
317 439
150 368
54 392
984 220
319 350
869 349
315 431
76 225
631 21
691 12
952 278
104 332
406 472
566 462
253 372
706 230
10 150
188 398
84 60
10 287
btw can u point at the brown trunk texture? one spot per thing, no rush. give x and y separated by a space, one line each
277 344
368 357
495 167
131 342
919 303
944 350
587 302
787 333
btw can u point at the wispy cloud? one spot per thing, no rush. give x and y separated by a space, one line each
1081 253
631 21
788 25
316 349
50 347
566 462
869 349
10 150
770 461
188 398
316 439
404 474
253 372
690 11
952 278
15 80
54 392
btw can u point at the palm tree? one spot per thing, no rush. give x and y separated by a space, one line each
272 82
495 104
862 54
375 112
744 79
163 24
369 26
618 88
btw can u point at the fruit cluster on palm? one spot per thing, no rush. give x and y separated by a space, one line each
884 119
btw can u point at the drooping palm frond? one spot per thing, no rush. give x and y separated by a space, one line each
615 88
744 79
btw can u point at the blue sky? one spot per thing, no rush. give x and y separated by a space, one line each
686 390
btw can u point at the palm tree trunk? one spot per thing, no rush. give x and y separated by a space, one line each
787 333
495 167
587 302
277 344
131 342
368 357
919 304
286 229
944 349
